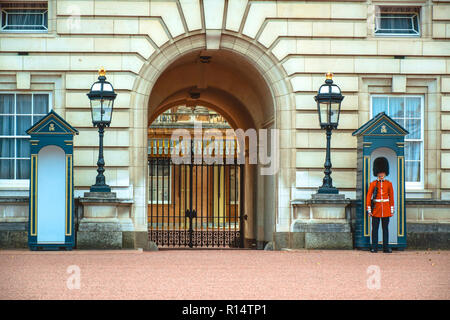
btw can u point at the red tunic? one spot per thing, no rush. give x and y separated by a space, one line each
384 206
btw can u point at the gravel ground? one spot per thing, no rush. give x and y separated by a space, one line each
224 274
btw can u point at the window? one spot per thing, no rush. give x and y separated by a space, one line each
18 112
23 16
234 185
160 181
395 21
408 112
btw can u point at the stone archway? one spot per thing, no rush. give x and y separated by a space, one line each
253 86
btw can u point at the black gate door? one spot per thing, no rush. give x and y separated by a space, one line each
197 204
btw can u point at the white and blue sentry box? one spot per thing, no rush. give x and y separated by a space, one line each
51 211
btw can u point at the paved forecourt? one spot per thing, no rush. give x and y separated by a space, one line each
224 274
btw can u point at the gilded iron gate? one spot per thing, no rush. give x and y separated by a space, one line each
199 204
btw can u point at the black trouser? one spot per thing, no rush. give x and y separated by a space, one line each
384 224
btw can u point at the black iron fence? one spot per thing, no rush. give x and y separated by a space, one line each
198 204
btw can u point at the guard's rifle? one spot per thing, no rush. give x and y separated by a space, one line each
374 196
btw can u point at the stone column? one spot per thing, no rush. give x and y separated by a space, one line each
322 223
106 222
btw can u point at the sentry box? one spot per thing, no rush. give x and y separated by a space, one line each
51 212
381 137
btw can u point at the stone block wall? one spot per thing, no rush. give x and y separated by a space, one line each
297 43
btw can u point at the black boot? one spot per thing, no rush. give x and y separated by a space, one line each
385 223
373 250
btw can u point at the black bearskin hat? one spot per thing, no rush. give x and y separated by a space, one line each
380 165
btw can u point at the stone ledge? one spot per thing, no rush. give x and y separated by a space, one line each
100 195
15 199
118 201
321 207
99 225
411 202
428 227
431 202
315 226
307 202
13 226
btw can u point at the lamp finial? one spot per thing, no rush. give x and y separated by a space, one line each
329 76
102 72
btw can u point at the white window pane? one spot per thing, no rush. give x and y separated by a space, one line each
6 125
399 108
6 148
40 103
23 104
392 23
24 19
6 169
413 126
412 171
23 169
412 150
37 118
22 148
6 103
396 107
413 109
23 123
397 20
21 107
379 104
160 182
400 121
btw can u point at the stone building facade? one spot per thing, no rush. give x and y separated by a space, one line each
266 61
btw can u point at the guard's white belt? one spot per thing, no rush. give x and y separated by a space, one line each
381 200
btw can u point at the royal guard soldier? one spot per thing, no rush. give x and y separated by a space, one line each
380 203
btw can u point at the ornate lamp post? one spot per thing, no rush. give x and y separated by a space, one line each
101 97
328 100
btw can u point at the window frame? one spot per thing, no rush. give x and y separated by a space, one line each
410 185
4 10
22 183
378 13
170 178
236 170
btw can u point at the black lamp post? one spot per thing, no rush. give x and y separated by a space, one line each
101 97
329 100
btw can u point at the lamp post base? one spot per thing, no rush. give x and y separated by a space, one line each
100 188
328 197
100 195
328 190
